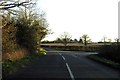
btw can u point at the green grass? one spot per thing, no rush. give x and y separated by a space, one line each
9 67
104 61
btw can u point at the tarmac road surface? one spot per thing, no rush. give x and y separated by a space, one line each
66 65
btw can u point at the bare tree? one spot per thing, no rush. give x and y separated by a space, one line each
6 5
65 38
104 39
86 39
11 8
117 40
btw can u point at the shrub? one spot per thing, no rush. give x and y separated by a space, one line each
21 31
105 61
40 52
111 52
9 38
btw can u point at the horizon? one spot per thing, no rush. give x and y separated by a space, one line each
96 18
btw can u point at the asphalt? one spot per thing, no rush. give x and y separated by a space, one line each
66 65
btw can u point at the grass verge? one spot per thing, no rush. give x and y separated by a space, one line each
104 61
9 67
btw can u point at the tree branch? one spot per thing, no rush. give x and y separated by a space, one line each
12 5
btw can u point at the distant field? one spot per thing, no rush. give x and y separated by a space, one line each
72 44
60 44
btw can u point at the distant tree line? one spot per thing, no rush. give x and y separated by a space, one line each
65 38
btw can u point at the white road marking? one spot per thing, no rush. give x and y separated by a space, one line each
70 72
63 58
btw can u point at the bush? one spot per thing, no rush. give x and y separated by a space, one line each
9 38
21 31
40 52
105 61
111 52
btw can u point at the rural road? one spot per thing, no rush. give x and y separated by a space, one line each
66 65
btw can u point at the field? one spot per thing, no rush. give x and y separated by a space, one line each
74 46
108 51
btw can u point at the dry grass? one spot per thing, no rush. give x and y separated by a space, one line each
18 54
60 44
71 44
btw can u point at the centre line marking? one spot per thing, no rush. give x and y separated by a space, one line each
70 72
63 57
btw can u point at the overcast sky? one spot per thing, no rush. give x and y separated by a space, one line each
97 18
